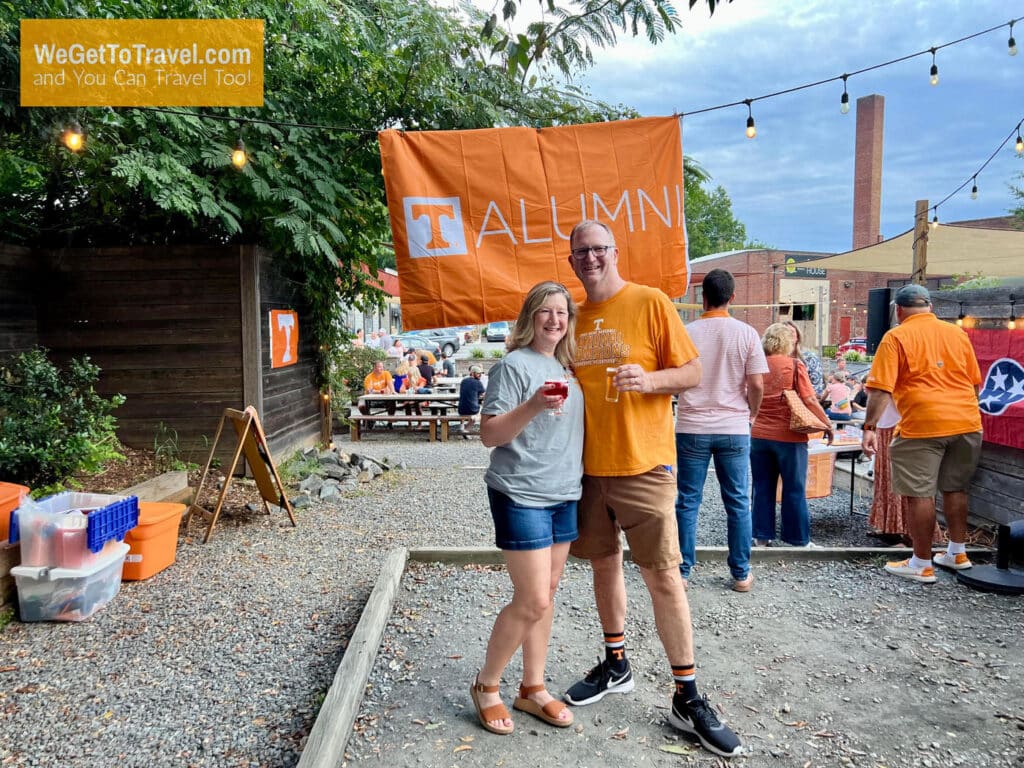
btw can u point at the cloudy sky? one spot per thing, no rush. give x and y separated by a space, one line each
792 186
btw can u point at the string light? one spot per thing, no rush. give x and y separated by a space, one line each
1019 146
960 317
239 157
751 130
1011 324
844 100
934 72
935 219
974 188
72 137
1011 44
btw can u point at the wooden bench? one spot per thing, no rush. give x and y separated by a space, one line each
437 423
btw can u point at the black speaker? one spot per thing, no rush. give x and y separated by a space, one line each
878 316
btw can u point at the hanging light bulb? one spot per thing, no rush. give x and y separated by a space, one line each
934 70
239 158
1011 44
960 317
935 220
844 100
1019 146
974 189
751 130
72 137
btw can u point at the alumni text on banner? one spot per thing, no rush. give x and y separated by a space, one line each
478 217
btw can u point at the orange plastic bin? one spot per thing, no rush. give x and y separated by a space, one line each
154 541
10 500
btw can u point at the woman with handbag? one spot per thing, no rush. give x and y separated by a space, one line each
778 442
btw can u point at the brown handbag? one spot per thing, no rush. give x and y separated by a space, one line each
801 418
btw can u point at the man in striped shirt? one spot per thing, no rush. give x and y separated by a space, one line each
713 421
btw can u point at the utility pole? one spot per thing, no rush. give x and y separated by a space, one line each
919 268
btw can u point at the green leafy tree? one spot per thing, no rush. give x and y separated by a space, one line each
311 194
566 34
711 226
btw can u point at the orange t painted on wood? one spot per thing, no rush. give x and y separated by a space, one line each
284 338
479 217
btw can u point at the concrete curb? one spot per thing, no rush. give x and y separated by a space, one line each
325 747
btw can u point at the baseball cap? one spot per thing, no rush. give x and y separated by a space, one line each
475 369
424 358
913 295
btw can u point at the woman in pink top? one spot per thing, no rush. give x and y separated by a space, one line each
839 394
776 451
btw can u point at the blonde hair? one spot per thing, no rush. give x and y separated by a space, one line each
778 340
522 331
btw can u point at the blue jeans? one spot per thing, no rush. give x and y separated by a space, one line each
770 460
732 457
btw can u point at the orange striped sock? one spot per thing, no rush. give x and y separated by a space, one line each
685 677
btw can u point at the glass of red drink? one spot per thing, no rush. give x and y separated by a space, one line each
557 387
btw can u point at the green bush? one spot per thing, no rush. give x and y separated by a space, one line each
53 424
853 356
347 367
497 353
829 351
476 353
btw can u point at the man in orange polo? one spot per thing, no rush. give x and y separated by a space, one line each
927 369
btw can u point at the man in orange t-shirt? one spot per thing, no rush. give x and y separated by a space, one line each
378 382
927 369
632 354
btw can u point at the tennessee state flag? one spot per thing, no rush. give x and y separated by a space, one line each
1000 356
479 217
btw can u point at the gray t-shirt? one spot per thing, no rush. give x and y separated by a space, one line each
543 465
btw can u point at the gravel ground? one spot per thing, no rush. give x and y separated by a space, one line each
224 658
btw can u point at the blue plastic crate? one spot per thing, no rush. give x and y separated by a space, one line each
113 520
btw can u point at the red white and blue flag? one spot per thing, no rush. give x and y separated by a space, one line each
1000 356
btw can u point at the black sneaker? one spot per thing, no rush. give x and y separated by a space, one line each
599 681
696 717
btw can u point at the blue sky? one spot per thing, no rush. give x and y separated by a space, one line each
792 186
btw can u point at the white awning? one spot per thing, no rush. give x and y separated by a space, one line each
952 250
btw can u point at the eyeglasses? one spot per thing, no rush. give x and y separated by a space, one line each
579 254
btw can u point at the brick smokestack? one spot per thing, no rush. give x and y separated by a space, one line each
867 171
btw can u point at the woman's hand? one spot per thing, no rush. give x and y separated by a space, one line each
543 400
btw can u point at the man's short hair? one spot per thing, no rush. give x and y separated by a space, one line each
719 286
913 295
424 359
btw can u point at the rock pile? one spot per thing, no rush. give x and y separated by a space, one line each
328 474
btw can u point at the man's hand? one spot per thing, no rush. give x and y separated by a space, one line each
631 378
869 443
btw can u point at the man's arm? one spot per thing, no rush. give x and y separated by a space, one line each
631 377
878 401
755 393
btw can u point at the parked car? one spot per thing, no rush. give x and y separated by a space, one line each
497 331
856 344
448 338
416 341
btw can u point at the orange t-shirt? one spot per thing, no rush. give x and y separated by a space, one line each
636 325
378 383
930 369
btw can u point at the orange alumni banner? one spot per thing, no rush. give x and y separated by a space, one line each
479 217
284 338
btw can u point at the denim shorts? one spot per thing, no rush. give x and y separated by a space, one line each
520 528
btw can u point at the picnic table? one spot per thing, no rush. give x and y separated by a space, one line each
442 408
841 443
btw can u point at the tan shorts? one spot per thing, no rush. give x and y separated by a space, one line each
643 506
923 465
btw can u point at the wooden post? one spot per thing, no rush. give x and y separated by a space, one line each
919 268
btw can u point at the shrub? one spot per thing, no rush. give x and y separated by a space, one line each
497 353
853 356
53 424
476 353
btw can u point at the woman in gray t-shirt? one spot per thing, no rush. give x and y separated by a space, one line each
535 427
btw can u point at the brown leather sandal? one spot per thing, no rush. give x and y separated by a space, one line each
494 712
549 713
